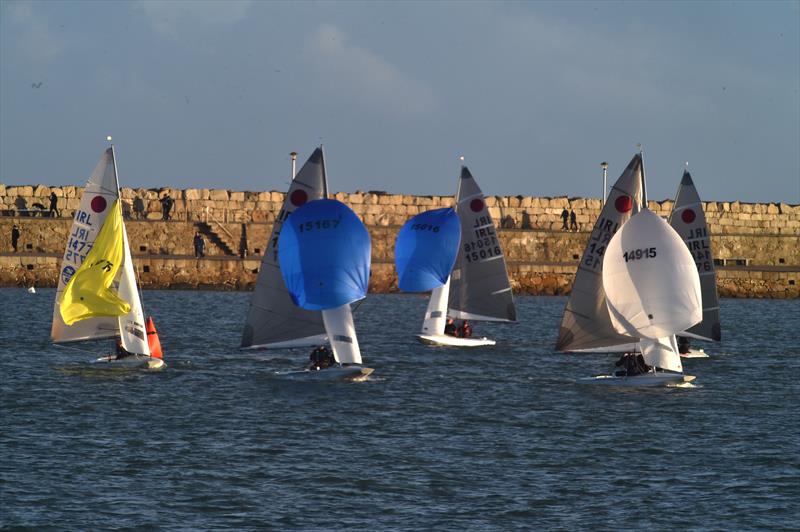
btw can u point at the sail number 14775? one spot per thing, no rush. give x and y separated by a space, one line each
636 254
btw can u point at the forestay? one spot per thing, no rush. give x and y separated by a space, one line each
689 221
273 317
99 194
324 256
586 322
479 285
425 250
650 279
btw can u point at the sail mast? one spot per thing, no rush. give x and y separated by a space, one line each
644 187
324 174
114 160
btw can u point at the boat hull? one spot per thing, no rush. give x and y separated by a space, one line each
131 362
695 353
339 373
453 341
639 381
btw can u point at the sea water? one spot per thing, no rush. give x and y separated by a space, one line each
490 438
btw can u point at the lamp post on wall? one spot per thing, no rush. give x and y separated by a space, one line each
604 166
293 155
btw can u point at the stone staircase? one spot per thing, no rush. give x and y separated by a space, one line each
220 239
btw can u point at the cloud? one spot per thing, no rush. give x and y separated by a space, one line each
172 18
35 41
357 75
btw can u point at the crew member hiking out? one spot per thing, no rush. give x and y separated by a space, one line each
321 358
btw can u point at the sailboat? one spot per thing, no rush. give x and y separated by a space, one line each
652 292
586 325
324 254
274 321
97 295
478 287
689 221
425 252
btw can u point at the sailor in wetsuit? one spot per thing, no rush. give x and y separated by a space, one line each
450 327
121 352
465 331
632 364
683 345
321 358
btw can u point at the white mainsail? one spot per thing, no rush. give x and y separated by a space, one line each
652 287
689 221
99 194
586 323
479 287
273 319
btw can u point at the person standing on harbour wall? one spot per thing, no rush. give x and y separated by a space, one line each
166 206
564 218
53 212
138 207
14 237
199 246
573 226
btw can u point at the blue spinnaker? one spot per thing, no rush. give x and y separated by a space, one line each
324 253
426 250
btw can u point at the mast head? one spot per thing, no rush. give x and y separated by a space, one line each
604 165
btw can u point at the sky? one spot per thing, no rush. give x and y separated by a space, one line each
534 95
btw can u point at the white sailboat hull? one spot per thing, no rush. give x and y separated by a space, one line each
336 373
695 353
639 381
453 341
131 362
308 341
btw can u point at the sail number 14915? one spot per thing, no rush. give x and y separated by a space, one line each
636 254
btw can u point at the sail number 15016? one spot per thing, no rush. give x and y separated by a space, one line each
636 254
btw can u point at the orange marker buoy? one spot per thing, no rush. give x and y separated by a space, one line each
152 339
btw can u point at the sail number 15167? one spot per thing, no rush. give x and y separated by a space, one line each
636 254
317 224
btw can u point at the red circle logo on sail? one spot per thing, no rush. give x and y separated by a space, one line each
476 205
98 204
298 197
688 216
623 203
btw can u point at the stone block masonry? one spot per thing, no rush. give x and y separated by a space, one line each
759 243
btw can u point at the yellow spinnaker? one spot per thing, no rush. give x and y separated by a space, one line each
89 294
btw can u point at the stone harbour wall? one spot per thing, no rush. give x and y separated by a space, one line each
756 245
382 209
228 273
